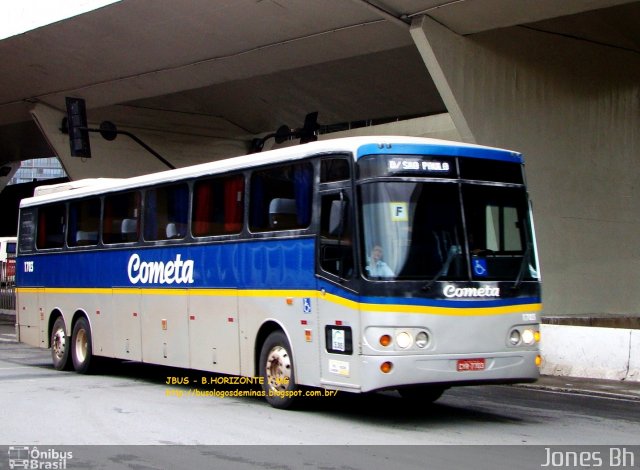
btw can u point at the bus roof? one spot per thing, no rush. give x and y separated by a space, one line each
69 185
357 146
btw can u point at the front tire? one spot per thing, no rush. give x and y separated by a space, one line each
276 370
60 346
81 350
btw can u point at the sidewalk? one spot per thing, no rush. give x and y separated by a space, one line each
592 387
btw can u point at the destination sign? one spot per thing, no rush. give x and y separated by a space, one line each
420 166
427 166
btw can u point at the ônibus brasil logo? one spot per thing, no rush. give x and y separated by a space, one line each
34 458
159 272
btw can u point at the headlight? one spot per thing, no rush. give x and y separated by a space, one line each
514 337
422 339
528 337
403 340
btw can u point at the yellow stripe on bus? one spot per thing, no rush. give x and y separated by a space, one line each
452 311
431 310
257 293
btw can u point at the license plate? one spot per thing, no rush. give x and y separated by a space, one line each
465 365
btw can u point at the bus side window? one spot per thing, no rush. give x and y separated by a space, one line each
165 212
334 169
51 226
27 230
218 206
120 222
281 198
84 222
336 246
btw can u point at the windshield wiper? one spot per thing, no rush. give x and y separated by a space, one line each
453 251
523 264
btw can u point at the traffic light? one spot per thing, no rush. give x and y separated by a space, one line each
308 133
77 127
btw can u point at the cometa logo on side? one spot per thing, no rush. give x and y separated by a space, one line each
159 272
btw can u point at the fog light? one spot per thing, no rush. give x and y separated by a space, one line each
403 340
514 337
386 367
528 337
385 340
422 339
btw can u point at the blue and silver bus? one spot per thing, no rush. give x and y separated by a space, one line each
354 265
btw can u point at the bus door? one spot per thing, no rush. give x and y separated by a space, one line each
32 326
126 323
213 330
165 328
338 314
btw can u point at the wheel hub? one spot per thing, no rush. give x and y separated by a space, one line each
278 368
59 343
81 345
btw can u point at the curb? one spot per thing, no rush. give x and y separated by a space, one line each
611 389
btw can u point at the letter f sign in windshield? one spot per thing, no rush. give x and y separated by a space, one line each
399 212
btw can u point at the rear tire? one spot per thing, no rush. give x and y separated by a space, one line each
422 393
276 370
60 346
81 350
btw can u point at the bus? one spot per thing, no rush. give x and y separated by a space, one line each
7 260
354 265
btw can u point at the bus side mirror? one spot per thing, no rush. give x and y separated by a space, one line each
336 217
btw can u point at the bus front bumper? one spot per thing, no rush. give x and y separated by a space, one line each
449 370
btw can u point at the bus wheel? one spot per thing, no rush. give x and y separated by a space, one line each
422 393
276 370
60 346
81 346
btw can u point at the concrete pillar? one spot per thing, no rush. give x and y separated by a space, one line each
7 170
573 108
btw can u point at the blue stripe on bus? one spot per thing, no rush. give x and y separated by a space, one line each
441 150
449 303
266 264
422 302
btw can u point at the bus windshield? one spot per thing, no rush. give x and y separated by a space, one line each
415 231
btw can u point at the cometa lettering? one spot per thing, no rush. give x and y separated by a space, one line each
452 291
159 272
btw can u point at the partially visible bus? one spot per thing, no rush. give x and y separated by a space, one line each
355 264
7 260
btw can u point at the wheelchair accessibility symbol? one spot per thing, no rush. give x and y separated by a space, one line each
480 267
306 305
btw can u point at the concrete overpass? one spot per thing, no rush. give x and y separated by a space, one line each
197 80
